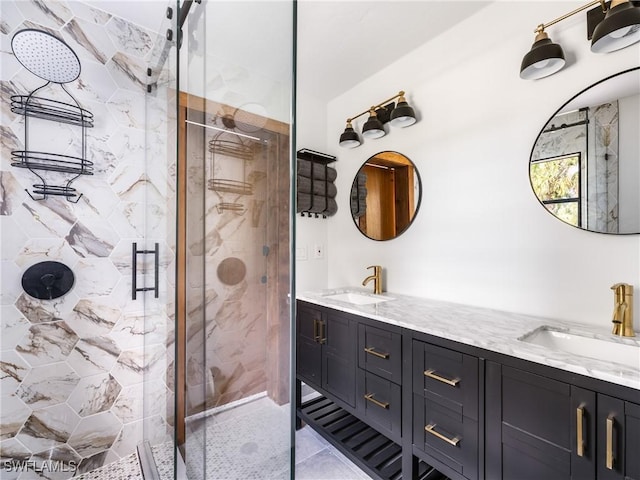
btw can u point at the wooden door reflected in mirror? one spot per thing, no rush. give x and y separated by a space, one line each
385 195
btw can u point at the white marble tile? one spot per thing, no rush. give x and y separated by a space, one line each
13 451
129 72
140 400
11 18
52 14
13 327
140 364
134 330
95 434
47 343
37 250
88 13
12 416
88 40
92 238
45 311
59 463
128 108
95 277
13 238
485 328
94 355
50 219
48 385
93 317
130 38
48 428
94 394
11 192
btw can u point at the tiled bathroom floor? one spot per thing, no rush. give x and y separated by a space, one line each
246 442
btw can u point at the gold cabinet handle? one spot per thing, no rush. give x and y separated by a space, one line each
316 335
431 374
579 431
323 333
431 428
371 351
610 421
369 396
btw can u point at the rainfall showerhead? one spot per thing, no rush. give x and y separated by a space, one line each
45 55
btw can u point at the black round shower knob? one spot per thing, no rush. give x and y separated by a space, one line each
47 280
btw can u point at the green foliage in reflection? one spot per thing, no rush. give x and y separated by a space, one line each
558 179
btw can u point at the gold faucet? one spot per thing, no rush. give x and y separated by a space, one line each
376 277
623 310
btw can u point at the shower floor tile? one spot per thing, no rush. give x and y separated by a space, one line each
127 468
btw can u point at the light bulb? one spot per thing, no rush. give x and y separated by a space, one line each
621 32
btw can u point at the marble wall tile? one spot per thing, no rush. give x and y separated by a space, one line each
95 277
9 189
128 108
12 328
95 434
47 386
48 428
94 394
128 72
64 457
47 343
92 238
51 219
12 450
45 311
91 317
12 238
134 330
140 400
12 416
37 250
88 13
52 14
130 38
140 364
88 40
11 18
11 288
94 355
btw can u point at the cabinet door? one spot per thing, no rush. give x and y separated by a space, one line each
611 438
308 347
632 440
532 427
338 356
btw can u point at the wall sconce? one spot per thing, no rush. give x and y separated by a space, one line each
401 115
609 29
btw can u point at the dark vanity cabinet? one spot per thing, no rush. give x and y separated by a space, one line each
407 405
541 427
325 351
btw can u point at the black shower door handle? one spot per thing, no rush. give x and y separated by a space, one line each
134 270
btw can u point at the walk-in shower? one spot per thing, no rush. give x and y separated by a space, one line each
171 350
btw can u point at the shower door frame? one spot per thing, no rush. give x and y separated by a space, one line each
278 261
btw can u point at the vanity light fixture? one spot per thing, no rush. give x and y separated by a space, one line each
400 115
618 26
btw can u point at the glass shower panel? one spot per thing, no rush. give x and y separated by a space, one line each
235 109
157 264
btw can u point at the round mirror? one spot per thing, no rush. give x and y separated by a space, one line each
585 163
385 195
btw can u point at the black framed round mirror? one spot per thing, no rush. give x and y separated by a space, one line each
584 166
385 195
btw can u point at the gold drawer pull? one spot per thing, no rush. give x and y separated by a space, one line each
579 432
316 329
370 350
610 421
369 396
435 376
431 428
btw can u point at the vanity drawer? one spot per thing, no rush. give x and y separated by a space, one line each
380 403
449 374
380 352
446 435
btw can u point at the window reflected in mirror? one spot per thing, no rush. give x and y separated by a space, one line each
584 166
385 195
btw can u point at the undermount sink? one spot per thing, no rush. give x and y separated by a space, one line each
591 347
357 298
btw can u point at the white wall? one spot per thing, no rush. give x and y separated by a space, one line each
311 273
481 237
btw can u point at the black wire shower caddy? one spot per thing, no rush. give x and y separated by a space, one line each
33 106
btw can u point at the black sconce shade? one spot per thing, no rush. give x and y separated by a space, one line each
620 28
545 58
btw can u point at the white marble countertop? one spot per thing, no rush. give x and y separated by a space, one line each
493 330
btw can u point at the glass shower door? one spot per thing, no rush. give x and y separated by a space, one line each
235 109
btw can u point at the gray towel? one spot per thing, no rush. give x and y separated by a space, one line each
321 204
320 172
320 187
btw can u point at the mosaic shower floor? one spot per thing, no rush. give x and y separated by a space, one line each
245 442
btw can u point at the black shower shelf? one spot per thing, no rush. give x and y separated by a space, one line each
230 148
51 162
52 110
378 456
230 186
